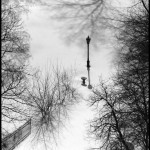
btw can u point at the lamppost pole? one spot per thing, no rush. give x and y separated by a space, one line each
88 61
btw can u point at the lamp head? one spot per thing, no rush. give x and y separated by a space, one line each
88 40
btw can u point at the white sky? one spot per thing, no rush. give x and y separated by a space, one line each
47 47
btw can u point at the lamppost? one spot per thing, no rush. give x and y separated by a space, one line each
88 39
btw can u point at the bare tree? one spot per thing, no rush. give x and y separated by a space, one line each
50 98
109 125
96 18
123 121
123 117
132 77
15 53
79 18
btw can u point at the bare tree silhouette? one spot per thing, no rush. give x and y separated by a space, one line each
15 53
123 121
50 97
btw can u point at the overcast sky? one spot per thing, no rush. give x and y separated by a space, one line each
48 47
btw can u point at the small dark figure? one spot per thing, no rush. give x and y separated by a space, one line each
83 81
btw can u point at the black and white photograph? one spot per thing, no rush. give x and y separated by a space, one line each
75 74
